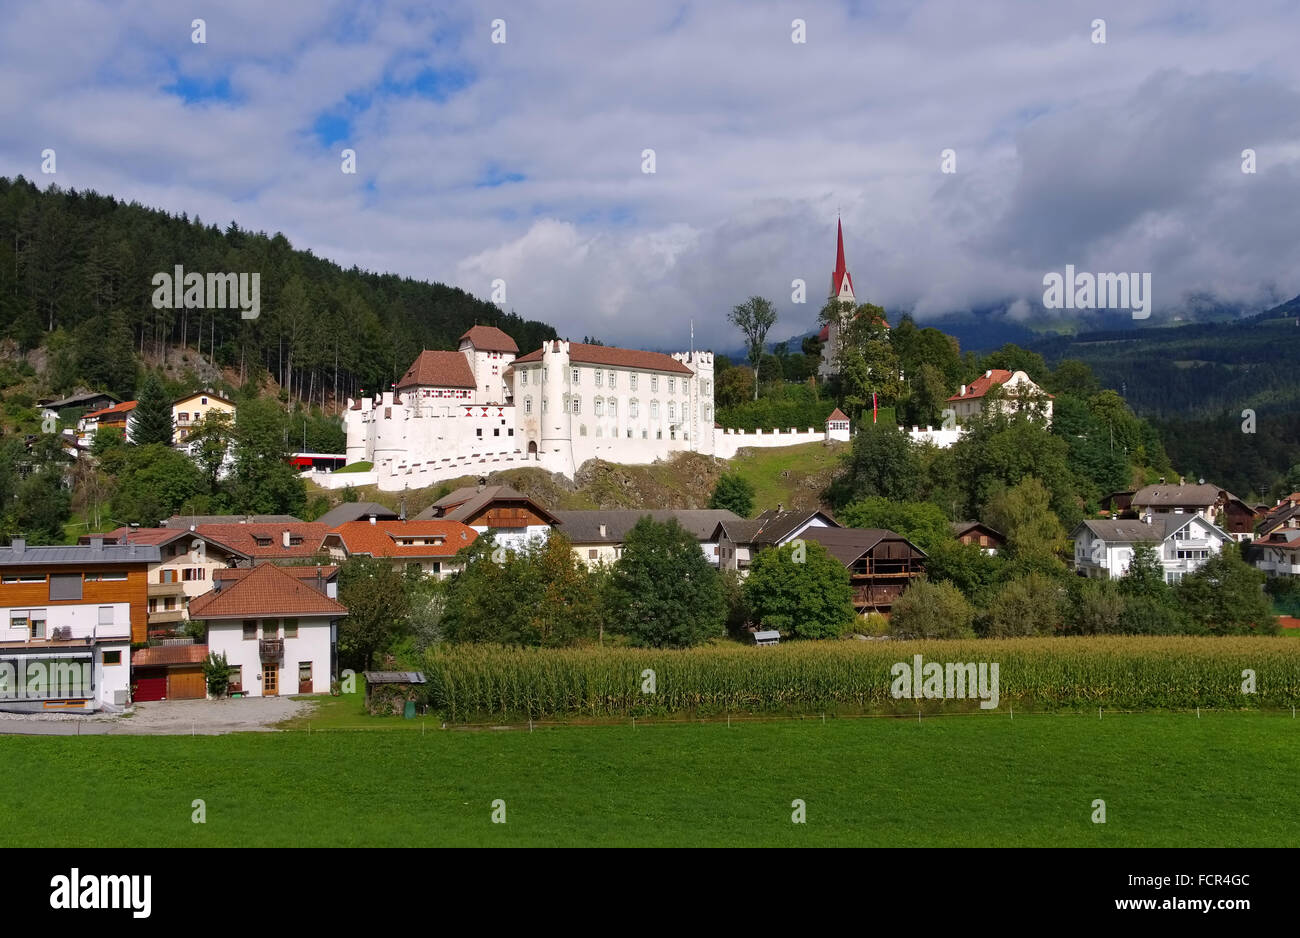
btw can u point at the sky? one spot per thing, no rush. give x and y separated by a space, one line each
523 160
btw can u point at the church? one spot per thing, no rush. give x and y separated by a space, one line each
842 292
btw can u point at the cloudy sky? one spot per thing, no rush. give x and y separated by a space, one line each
522 160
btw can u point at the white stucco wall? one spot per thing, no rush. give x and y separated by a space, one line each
312 644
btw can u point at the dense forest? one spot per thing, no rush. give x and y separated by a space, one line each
76 270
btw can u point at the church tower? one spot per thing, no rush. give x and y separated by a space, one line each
842 291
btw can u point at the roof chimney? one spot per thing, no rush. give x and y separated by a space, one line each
372 517
963 391
284 537
96 543
481 482
18 544
989 373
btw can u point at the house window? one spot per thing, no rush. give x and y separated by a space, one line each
236 679
290 628
250 630
591 554
194 573
654 382
105 615
18 620
631 381
304 672
25 578
65 586
270 628
118 577
112 657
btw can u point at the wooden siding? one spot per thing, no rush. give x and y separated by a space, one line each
186 682
134 590
506 516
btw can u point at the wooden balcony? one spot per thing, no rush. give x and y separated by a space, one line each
166 616
271 650
166 589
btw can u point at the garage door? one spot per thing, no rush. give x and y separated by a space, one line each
150 688
186 684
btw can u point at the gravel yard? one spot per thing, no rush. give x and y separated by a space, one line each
165 717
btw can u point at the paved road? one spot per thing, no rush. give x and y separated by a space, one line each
164 717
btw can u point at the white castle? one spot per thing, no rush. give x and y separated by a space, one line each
485 407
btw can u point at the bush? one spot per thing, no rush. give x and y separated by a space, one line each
931 610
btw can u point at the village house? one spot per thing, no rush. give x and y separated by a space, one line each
1016 390
881 563
68 617
1218 506
277 631
117 417
191 409
427 547
740 540
513 518
980 534
598 536
186 566
1182 542
269 542
75 405
1277 554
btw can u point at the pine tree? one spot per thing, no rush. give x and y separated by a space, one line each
153 414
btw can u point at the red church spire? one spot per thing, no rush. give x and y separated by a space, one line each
841 269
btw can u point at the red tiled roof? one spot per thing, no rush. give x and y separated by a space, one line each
825 334
490 339
383 538
115 410
267 591
327 571
837 414
162 655
243 538
438 370
983 384
614 357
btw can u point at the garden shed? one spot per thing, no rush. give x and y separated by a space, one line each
389 691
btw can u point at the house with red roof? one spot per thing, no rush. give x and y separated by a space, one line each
118 417
428 547
1016 389
276 629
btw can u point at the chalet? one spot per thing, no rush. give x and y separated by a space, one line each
881 563
117 417
269 542
186 566
356 511
1015 389
739 540
980 534
428 547
191 409
1278 554
276 630
1218 506
598 536
1182 542
65 408
68 617
513 518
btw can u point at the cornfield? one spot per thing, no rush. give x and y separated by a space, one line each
1119 673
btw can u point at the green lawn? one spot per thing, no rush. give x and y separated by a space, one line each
986 779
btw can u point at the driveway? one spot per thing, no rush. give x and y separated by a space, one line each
164 717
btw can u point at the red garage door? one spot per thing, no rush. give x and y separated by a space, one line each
151 688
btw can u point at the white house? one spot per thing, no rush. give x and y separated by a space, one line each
1017 390
739 540
598 536
1278 554
1104 549
277 631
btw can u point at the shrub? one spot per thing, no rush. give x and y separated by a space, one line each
1034 604
931 610
216 671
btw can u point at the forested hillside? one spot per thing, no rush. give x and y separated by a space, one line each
78 266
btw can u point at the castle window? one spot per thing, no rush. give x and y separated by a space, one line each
629 433
672 409
704 387
582 430
659 434
523 376
613 407
545 373
528 405
600 377
577 407
611 379
654 410
576 374
599 431
654 382
631 381
643 433
633 407
672 385
707 408
600 405
546 405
